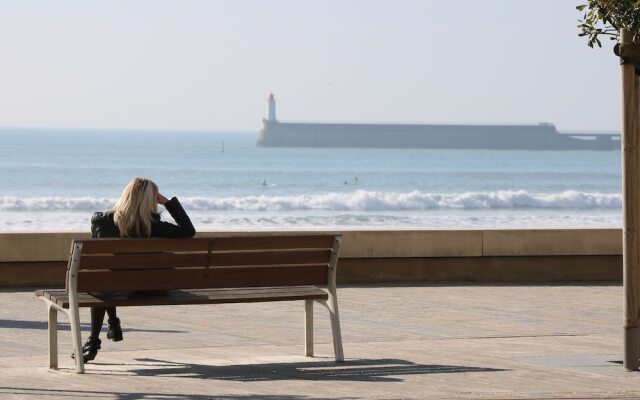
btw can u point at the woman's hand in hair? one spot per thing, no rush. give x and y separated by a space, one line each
162 200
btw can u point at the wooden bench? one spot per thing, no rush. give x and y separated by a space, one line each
238 269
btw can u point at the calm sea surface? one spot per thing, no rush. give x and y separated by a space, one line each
54 179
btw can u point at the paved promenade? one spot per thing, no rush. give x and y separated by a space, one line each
473 342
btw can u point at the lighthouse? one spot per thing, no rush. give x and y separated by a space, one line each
270 124
271 108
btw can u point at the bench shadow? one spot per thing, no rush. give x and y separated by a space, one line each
378 370
64 326
87 394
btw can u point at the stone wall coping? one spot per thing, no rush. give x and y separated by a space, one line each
33 246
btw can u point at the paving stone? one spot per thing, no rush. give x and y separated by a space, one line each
400 341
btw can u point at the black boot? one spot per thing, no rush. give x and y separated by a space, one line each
115 331
90 349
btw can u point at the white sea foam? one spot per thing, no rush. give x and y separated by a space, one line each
355 201
438 219
11 203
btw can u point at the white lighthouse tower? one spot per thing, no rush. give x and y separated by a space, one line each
271 108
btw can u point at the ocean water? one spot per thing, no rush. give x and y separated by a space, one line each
55 179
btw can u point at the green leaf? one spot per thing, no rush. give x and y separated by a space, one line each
606 17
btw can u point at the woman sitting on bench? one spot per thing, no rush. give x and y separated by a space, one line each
135 215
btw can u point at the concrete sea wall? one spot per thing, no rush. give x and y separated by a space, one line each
431 136
399 255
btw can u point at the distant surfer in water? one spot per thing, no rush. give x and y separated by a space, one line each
264 182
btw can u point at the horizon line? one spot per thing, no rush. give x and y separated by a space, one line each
145 130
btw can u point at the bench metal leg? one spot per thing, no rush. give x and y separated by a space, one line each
53 337
308 328
332 305
74 317
74 312
332 301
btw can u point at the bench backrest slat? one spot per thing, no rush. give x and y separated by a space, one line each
272 242
97 246
143 261
270 257
200 278
158 264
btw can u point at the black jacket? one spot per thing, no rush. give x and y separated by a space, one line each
103 226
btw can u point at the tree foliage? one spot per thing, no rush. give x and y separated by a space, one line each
606 17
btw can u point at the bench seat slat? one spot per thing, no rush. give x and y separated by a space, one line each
185 297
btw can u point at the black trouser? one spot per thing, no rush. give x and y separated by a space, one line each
97 319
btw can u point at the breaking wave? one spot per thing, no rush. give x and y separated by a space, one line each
355 201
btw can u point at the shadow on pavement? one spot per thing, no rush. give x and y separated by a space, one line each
64 326
383 370
87 394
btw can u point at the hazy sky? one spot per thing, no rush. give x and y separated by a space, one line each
211 64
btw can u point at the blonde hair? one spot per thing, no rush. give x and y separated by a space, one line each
134 211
